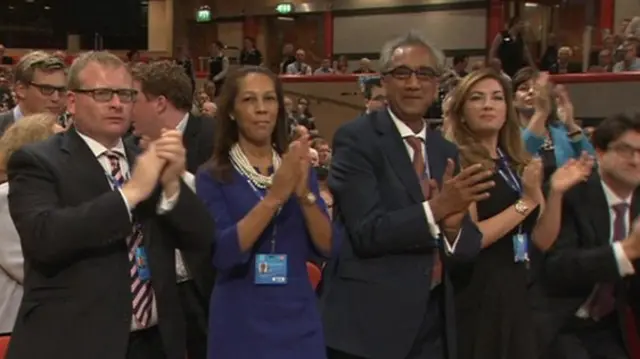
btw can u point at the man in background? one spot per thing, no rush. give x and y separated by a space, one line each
39 84
164 101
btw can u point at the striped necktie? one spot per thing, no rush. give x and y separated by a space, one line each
141 290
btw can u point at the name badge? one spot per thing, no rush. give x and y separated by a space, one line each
520 245
271 269
144 273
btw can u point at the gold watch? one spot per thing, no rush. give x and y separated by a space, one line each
308 199
521 207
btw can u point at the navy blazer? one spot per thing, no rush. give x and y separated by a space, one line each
377 289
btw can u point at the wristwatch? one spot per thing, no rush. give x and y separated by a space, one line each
308 199
521 207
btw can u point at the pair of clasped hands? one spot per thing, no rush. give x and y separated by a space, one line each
450 202
292 177
162 160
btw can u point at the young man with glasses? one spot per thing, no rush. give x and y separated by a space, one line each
40 86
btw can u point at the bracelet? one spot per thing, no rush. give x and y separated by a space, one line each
575 133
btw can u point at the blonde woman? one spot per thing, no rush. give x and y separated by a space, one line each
492 296
29 129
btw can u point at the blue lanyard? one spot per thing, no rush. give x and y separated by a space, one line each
507 174
275 222
510 178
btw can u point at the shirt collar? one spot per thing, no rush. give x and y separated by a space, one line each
182 125
405 131
17 113
612 198
98 149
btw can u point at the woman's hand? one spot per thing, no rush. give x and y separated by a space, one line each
542 96
565 108
572 173
302 144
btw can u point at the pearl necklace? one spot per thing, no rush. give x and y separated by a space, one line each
241 164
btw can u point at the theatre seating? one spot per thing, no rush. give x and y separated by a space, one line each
315 275
4 345
632 335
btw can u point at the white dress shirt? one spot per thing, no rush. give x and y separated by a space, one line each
182 273
165 204
11 265
405 132
625 267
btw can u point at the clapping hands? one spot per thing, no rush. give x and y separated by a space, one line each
571 173
293 174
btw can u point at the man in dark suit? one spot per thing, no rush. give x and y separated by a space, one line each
164 100
100 249
591 271
388 294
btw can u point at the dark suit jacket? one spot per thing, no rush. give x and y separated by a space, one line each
198 142
582 257
6 120
377 289
72 226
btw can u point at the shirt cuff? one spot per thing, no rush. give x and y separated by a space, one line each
434 229
451 248
126 203
625 267
166 204
190 180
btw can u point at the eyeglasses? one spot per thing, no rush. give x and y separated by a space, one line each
48 90
106 94
625 151
422 73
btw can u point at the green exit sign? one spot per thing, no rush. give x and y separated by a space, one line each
203 14
284 8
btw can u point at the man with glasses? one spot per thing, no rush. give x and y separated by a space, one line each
98 234
40 86
592 270
388 293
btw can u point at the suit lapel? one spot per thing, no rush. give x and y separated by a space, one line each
85 165
395 150
635 206
598 210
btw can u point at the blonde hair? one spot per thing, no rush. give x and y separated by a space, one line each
103 58
30 129
36 60
509 137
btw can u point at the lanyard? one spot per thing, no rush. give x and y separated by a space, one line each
509 177
507 174
275 222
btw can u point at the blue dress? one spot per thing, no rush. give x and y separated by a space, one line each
249 321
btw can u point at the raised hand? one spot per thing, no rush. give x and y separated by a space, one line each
169 147
565 106
304 159
542 97
144 177
286 176
532 179
572 173
458 192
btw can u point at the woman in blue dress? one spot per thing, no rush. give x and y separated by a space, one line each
269 219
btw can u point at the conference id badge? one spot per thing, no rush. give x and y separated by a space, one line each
142 264
271 269
520 251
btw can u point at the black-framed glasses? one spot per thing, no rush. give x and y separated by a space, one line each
625 151
424 73
106 94
48 90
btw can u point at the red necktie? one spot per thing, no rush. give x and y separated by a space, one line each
420 166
